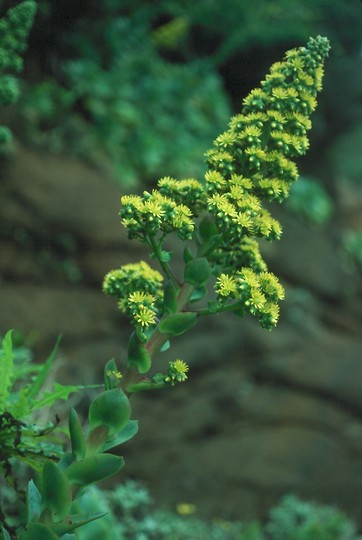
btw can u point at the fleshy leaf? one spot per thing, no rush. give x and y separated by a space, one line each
77 437
177 324
38 531
33 502
198 294
197 272
138 356
110 379
94 468
110 409
72 522
56 493
129 431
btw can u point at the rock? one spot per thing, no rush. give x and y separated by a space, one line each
65 194
307 255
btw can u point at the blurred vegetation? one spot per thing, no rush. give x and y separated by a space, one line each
131 515
352 249
140 85
310 200
14 30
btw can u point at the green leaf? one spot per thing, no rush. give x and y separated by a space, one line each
110 379
197 294
23 370
166 256
138 355
6 369
177 324
40 379
170 298
111 409
94 468
129 431
38 531
213 306
74 521
56 492
188 254
207 228
165 346
59 391
33 502
6 535
197 272
77 437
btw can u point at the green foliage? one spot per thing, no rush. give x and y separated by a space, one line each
130 515
23 440
309 200
119 101
294 519
23 393
6 370
14 30
352 248
345 155
225 28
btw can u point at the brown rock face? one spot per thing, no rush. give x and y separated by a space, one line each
262 414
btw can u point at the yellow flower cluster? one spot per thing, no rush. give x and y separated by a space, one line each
251 161
188 192
139 291
256 293
177 372
153 212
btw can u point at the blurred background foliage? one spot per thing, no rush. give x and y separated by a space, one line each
143 87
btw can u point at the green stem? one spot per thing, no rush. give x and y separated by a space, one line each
157 339
184 296
157 249
228 307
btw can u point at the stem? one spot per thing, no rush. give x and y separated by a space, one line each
156 341
156 246
229 307
184 296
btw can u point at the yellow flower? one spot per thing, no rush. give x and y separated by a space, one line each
180 366
116 374
177 372
226 285
185 509
154 208
139 296
145 317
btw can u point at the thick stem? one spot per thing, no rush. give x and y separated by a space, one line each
132 376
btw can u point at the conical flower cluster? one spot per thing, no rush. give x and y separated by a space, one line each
249 163
252 160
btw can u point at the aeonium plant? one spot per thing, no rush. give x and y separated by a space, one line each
218 220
